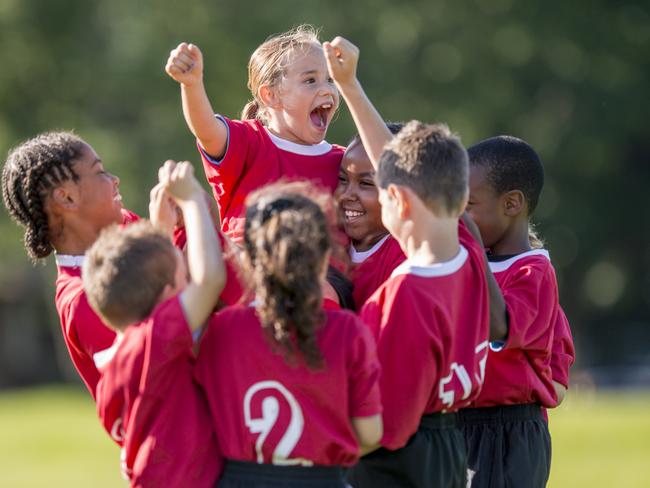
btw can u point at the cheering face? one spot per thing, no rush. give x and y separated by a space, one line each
305 100
486 207
97 191
358 199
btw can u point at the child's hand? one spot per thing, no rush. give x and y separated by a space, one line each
179 182
162 210
342 57
185 64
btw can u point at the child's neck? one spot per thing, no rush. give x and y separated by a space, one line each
430 240
74 240
514 241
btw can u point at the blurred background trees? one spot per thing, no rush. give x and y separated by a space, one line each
571 78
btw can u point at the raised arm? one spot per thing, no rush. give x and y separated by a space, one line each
185 65
207 272
342 57
498 315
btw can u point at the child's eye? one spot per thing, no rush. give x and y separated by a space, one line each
309 81
330 80
342 179
367 183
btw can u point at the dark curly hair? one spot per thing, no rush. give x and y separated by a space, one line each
31 171
286 241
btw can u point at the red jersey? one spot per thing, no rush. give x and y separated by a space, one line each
268 411
520 372
148 402
563 353
372 267
84 332
431 324
255 157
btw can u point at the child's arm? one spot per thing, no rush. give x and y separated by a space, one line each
342 57
185 65
368 431
498 315
207 273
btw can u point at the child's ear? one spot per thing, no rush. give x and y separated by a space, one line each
402 196
268 96
513 203
64 198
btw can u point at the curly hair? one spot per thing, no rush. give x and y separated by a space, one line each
286 241
30 173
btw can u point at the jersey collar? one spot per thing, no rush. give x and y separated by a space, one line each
360 256
69 260
500 266
313 150
434 270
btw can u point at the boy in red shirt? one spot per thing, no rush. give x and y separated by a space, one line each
431 319
508 439
293 389
136 280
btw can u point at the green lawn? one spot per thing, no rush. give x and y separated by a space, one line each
50 437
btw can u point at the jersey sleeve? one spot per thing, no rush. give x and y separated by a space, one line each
168 341
364 371
224 174
531 299
407 358
563 352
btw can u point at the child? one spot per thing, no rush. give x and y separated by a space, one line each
282 130
293 389
431 318
373 251
508 440
56 187
136 280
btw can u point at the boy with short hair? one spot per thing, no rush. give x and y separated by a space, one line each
136 280
431 317
507 435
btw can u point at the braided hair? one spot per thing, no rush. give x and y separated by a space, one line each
30 173
286 241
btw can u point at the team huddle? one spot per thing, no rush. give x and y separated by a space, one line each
376 315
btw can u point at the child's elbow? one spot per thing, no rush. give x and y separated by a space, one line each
369 430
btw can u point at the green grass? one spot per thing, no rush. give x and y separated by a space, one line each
51 437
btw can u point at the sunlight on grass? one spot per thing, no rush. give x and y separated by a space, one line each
51 437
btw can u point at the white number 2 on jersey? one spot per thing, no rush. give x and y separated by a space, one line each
270 406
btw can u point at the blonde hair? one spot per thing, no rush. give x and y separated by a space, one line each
268 64
536 242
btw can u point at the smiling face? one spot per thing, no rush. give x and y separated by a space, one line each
486 207
305 99
99 199
358 198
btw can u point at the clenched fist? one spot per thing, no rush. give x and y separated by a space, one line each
185 64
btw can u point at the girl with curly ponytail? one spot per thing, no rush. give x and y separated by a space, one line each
307 378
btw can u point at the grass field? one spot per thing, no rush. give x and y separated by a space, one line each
50 437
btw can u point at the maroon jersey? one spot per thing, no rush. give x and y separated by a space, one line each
84 332
431 324
520 372
372 267
148 402
268 410
563 353
255 157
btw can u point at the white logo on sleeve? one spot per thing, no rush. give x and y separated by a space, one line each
267 393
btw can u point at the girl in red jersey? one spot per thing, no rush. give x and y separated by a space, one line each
292 388
374 253
508 439
56 187
282 130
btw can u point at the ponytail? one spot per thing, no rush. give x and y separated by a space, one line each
286 242
251 110
536 242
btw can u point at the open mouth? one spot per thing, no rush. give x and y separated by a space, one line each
320 115
118 198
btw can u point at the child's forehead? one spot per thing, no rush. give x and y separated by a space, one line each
356 160
305 54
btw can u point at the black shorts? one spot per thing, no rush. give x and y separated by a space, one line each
434 456
507 446
238 474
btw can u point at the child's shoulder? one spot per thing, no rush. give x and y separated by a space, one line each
533 261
